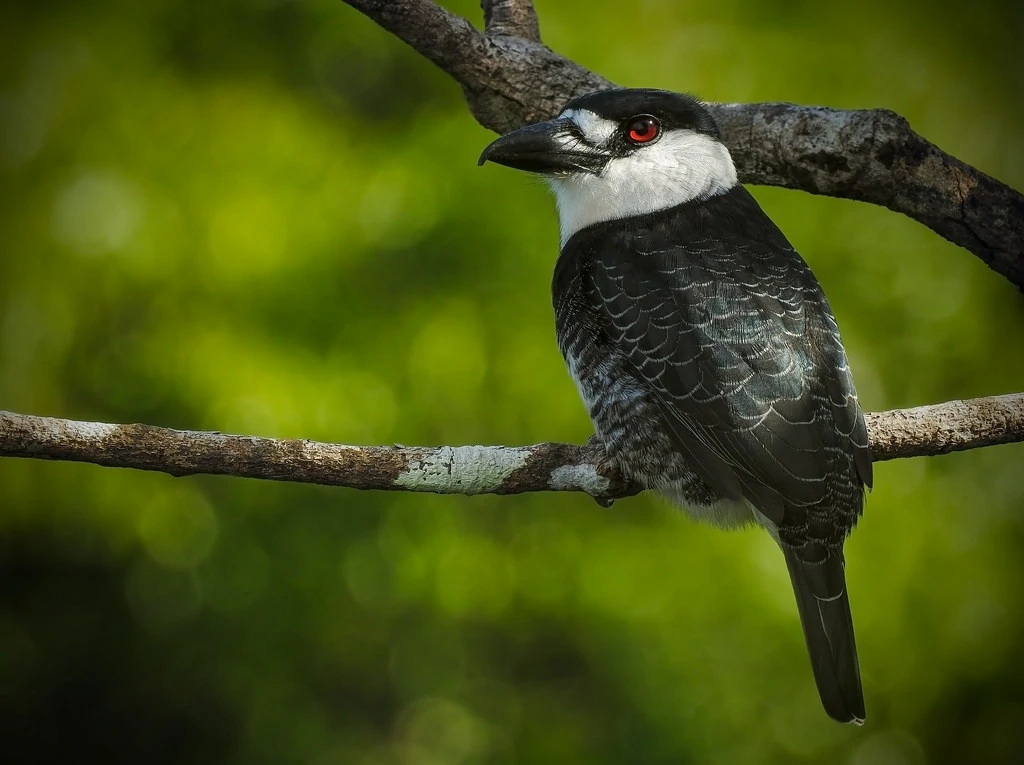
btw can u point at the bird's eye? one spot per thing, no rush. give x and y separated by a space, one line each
643 129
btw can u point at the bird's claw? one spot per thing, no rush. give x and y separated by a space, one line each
608 469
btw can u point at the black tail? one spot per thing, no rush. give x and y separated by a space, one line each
825 615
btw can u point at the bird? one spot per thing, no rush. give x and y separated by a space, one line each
702 345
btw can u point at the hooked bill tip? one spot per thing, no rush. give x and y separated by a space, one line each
486 153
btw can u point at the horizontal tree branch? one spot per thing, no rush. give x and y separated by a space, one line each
923 431
869 155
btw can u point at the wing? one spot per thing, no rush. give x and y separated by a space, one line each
738 343
718 317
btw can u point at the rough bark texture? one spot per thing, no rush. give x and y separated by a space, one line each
954 426
510 79
511 18
926 430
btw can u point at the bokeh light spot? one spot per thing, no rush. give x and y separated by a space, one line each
248 234
441 732
894 747
97 212
474 577
178 527
447 356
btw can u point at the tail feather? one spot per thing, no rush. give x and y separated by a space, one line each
824 607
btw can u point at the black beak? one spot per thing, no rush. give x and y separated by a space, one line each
553 148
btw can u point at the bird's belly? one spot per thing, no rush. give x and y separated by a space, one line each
629 424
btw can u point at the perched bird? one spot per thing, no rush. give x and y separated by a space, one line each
703 346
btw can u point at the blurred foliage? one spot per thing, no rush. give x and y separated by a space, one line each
265 216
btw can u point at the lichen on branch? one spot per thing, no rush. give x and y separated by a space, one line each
926 430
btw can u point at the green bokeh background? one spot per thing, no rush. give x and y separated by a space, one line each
265 217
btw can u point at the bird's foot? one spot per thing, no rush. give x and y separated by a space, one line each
618 485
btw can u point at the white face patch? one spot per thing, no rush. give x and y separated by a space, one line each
597 130
679 167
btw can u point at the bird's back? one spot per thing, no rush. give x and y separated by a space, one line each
709 313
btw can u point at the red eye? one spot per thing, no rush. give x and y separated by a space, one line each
643 129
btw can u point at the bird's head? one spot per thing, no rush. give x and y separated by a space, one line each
617 154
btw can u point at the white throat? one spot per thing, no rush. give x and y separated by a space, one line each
679 167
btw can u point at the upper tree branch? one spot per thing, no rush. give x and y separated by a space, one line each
926 430
510 79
